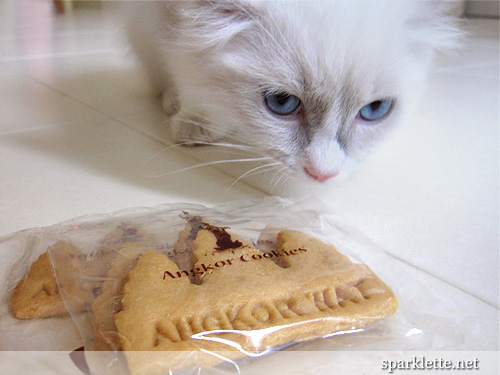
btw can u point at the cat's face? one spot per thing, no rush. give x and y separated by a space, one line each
314 84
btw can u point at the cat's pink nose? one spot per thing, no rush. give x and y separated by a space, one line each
320 175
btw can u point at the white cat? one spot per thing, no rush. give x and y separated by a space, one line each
313 84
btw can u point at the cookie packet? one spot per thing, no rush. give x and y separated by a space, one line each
184 288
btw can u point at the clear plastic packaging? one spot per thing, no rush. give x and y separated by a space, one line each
241 298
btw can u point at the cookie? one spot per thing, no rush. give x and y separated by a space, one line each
38 296
184 245
247 301
108 302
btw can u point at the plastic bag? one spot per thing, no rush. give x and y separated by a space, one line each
92 259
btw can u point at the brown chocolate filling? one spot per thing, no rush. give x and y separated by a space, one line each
224 241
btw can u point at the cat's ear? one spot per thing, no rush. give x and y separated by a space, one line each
244 9
212 23
436 24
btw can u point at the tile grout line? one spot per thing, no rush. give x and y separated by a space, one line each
416 267
64 34
10 59
128 126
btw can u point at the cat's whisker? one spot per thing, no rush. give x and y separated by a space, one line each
213 126
284 174
277 172
205 122
215 162
162 151
225 145
253 170
217 144
209 125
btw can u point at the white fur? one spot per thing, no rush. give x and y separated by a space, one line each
212 61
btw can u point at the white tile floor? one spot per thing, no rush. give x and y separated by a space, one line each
79 133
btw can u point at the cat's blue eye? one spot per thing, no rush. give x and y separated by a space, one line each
376 110
282 103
